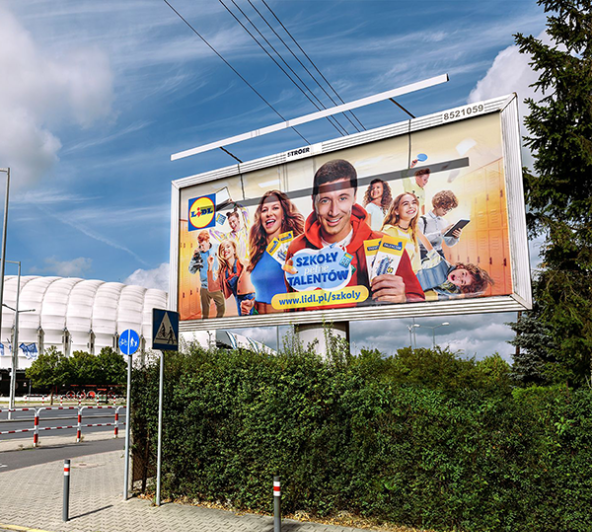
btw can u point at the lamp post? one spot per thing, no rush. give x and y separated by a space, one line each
3 251
15 340
434 332
411 329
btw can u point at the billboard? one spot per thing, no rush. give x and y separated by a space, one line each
418 218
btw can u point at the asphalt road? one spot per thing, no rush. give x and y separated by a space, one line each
10 460
53 418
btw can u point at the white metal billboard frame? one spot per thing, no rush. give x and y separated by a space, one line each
406 89
521 299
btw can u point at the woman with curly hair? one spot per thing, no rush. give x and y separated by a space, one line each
275 215
401 222
377 201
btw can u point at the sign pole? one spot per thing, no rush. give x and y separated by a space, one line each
127 427
129 342
165 337
160 401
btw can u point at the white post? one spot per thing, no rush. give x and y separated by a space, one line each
309 332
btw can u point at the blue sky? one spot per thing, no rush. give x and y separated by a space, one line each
96 96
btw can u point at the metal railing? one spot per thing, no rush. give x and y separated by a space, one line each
78 426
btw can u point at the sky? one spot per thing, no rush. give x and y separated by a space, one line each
96 96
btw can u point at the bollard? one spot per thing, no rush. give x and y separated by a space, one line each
66 490
79 428
116 424
61 400
277 512
36 427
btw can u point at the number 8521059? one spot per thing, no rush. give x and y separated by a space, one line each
462 112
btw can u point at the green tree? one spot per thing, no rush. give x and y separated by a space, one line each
82 368
49 370
111 367
559 190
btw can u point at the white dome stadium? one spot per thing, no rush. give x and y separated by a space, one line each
73 315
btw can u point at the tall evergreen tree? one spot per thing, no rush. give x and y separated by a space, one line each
559 192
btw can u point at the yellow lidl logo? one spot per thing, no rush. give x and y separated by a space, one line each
202 212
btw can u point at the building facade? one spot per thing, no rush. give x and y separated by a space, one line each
73 314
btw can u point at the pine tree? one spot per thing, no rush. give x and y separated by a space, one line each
559 191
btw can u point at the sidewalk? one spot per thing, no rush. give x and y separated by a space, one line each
46 441
31 498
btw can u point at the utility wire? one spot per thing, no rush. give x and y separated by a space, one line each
303 65
231 67
310 60
341 131
323 106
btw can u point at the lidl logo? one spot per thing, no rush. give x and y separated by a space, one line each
202 212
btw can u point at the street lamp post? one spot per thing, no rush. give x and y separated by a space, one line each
15 340
2 261
434 332
411 329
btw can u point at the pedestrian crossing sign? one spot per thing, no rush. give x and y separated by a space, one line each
165 330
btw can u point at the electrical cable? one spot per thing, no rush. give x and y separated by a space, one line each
310 60
232 68
341 131
304 66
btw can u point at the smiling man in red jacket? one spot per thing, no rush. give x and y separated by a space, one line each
338 220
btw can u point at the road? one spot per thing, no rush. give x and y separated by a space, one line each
11 460
52 418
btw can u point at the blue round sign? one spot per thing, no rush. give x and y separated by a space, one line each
129 341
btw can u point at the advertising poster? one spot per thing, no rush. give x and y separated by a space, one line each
409 219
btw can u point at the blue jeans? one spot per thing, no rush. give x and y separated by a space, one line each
241 298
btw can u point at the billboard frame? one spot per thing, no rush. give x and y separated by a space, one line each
519 300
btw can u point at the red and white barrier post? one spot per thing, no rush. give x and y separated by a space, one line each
36 429
79 428
116 432
277 513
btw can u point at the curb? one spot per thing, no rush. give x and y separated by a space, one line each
20 528
28 420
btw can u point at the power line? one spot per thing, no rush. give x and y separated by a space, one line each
231 67
304 66
341 131
310 60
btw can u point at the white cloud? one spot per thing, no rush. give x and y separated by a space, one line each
71 268
510 72
156 278
39 93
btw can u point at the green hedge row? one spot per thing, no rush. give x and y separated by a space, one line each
422 438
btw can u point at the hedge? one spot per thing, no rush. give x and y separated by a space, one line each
461 450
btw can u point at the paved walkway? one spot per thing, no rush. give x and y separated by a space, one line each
31 498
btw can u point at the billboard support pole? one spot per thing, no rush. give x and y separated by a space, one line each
321 332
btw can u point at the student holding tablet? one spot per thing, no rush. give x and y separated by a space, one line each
436 228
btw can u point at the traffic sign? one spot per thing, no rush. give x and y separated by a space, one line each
129 341
165 330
